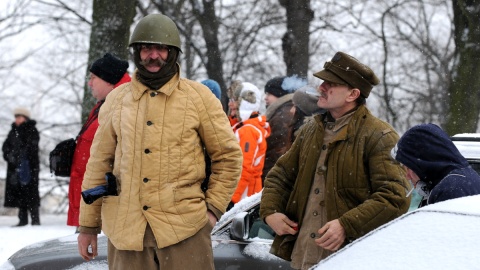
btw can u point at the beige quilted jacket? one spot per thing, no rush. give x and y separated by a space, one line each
153 143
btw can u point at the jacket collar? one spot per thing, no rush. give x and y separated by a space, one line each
274 107
352 126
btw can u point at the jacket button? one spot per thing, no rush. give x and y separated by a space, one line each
152 94
315 213
322 203
147 151
317 191
145 180
312 235
324 147
149 123
145 207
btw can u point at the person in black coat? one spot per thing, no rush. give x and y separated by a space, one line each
434 165
20 150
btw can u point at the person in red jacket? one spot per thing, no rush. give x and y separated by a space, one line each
106 73
251 132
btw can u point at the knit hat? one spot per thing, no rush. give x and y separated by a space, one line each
249 99
305 98
21 111
109 68
214 87
345 69
274 87
280 86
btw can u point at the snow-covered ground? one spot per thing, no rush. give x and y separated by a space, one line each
15 238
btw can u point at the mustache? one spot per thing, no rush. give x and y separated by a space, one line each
150 62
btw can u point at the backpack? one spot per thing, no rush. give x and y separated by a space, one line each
61 157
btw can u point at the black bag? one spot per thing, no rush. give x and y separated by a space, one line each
61 157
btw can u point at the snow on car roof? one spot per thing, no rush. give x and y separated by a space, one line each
439 236
467 135
468 144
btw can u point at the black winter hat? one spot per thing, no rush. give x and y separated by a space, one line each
109 68
274 87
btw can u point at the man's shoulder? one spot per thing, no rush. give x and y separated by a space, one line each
374 123
280 108
194 89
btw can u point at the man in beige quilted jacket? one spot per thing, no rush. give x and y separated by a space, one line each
152 135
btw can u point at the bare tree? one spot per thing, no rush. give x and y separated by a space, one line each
295 42
464 90
110 33
410 48
224 43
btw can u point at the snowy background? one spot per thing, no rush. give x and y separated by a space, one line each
15 238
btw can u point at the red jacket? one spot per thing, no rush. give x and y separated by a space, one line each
251 134
80 159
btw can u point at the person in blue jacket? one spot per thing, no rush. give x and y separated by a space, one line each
434 165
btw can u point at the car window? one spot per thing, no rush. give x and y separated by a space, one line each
258 228
475 165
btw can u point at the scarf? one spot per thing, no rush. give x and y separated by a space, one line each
156 80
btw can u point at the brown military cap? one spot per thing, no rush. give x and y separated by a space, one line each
346 69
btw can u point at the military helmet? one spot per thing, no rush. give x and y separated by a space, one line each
156 29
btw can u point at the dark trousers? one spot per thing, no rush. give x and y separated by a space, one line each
34 215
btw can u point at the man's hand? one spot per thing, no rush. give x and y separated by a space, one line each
281 224
211 218
86 240
332 236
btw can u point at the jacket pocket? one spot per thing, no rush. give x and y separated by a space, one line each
109 214
190 204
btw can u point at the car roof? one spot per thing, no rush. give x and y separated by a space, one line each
468 144
439 236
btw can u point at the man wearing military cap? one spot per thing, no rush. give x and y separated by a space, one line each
337 182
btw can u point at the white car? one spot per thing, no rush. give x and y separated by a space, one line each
444 235
469 146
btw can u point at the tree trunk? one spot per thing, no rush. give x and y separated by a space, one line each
209 22
110 33
464 90
295 42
